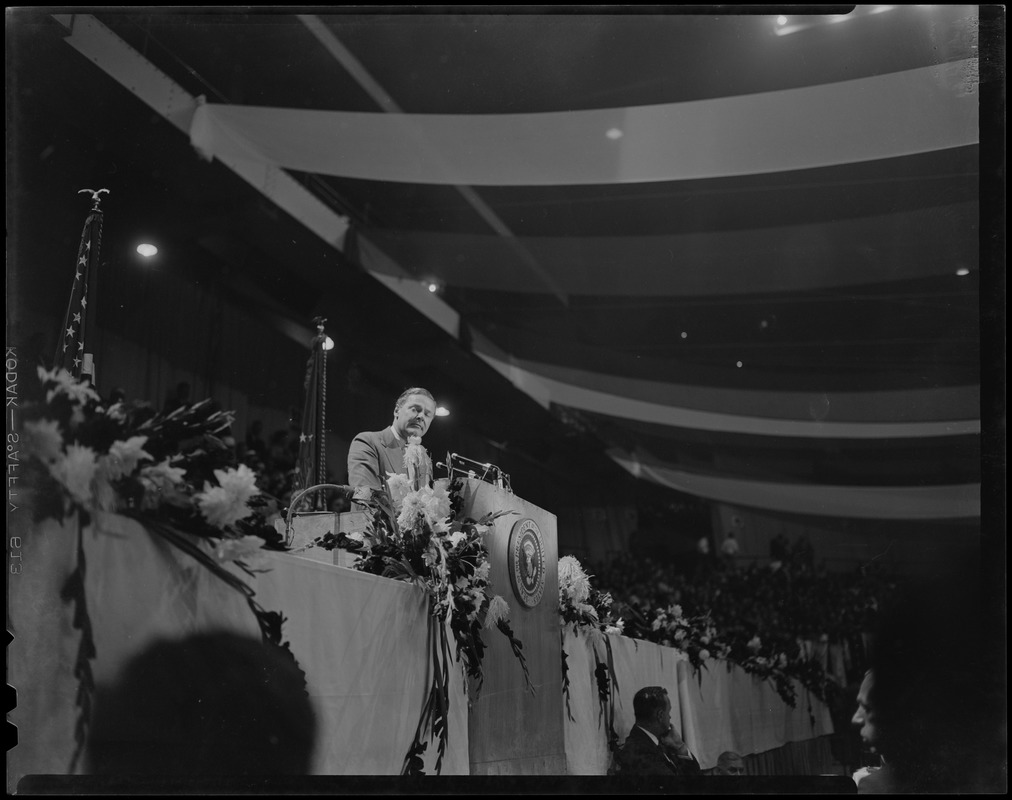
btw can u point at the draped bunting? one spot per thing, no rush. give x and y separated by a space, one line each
862 502
885 116
624 405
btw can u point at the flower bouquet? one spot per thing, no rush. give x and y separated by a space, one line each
416 533
589 611
171 472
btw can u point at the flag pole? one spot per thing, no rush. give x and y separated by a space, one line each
70 349
311 466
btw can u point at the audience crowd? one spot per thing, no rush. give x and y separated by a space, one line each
788 600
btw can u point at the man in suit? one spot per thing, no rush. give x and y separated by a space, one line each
375 454
653 746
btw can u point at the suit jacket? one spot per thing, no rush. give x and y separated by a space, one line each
371 456
640 756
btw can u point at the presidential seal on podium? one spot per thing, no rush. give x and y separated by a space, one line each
527 562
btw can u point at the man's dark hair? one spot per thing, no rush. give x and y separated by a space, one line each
212 704
414 390
648 701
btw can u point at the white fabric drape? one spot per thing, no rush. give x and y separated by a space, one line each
361 640
720 708
960 501
883 116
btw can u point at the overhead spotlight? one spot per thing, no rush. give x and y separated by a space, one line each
962 271
432 286
328 343
781 20
614 133
442 411
739 364
685 334
147 250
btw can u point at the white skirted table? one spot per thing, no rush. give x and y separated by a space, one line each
362 642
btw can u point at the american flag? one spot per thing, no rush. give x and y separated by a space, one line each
310 468
70 348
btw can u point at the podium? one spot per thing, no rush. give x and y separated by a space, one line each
510 730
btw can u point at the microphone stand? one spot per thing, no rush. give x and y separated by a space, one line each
499 478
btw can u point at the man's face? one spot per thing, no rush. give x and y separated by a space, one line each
733 766
663 721
413 416
864 717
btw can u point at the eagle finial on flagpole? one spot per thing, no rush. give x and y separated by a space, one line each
96 196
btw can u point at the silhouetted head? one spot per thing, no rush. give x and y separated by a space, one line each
212 704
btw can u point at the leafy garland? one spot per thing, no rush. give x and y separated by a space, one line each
589 611
416 532
170 472
696 637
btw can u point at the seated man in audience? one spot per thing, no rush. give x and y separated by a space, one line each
375 454
653 746
730 763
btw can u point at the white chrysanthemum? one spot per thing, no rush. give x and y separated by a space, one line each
75 471
656 624
241 480
574 586
78 391
411 508
399 487
124 456
161 477
456 538
498 609
243 548
617 628
436 504
225 504
704 654
755 643
679 634
675 611
481 573
42 440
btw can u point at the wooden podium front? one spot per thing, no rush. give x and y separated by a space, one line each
510 730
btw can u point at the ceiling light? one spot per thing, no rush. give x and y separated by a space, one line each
432 286
739 365
685 335
442 411
328 343
614 133
962 271
781 20
147 250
